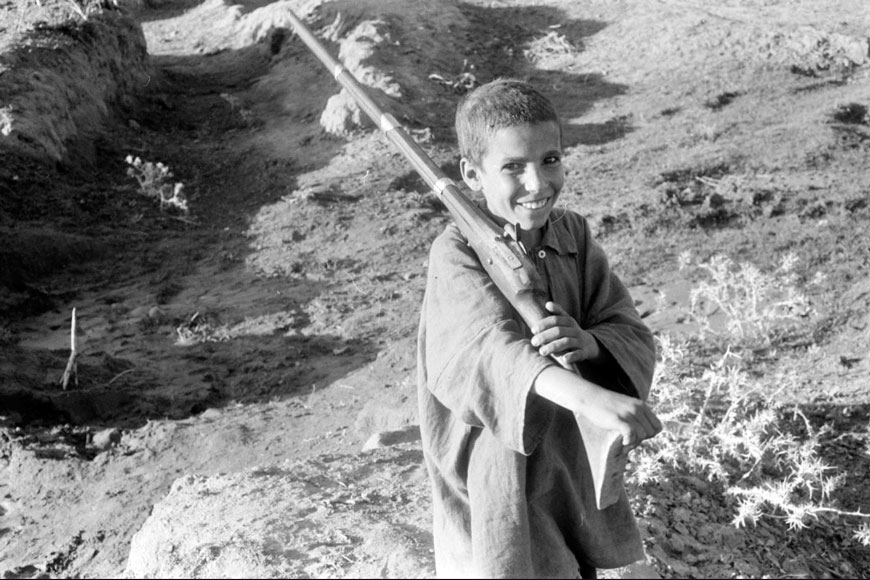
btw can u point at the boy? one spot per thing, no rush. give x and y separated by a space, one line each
512 492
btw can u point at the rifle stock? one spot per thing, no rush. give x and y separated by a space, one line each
502 258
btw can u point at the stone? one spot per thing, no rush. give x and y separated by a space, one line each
49 115
386 438
312 518
682 514
342 115
640 570
675 544
731 537
106 438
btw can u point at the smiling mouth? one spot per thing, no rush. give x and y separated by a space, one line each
537 204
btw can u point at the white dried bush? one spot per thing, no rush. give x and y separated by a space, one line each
551 45
154 181
199 329
732 425
755 304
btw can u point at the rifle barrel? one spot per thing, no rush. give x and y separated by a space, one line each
501 256
422 163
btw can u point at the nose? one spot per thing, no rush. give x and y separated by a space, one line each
534 179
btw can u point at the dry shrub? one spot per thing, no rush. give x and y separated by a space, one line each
730 424
200 329
551 45
756 306
154 182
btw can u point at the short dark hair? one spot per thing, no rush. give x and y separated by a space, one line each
496 105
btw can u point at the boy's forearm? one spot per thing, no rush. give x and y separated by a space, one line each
608 410
564 388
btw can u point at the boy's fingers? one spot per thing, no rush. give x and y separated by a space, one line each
558 346
550 322
629 440
641 426
649 423
551 335
657 425
650 419
555 308
542 325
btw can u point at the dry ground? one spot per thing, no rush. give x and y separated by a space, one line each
276 319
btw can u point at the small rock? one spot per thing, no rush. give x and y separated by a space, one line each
796 567
675 544
681 514
656 527
715 200
379 416
341 115
139 313
156 314
747 569
639 570
210 414
731 538
387 438
106 438
683 570
697 483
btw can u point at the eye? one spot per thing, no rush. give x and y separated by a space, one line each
512 167
552 160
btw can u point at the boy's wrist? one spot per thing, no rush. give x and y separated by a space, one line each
594 348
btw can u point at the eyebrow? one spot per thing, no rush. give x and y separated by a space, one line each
549 153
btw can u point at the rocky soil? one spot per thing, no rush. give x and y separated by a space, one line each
235 359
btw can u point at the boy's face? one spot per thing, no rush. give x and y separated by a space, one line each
520 174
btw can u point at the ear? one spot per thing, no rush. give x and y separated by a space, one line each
470 174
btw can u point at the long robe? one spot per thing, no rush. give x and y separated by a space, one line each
512 491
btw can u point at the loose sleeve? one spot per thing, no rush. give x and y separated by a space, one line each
479 363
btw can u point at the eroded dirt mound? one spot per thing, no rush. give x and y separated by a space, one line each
48 113
63 87
337 516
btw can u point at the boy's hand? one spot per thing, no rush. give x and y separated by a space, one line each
631 417
561 336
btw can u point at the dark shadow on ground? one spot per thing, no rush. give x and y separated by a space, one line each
99 235
573 94
187 119
494 45
843 446
114 392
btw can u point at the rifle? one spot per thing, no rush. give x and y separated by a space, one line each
501 256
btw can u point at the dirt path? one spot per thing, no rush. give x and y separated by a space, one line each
277 319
